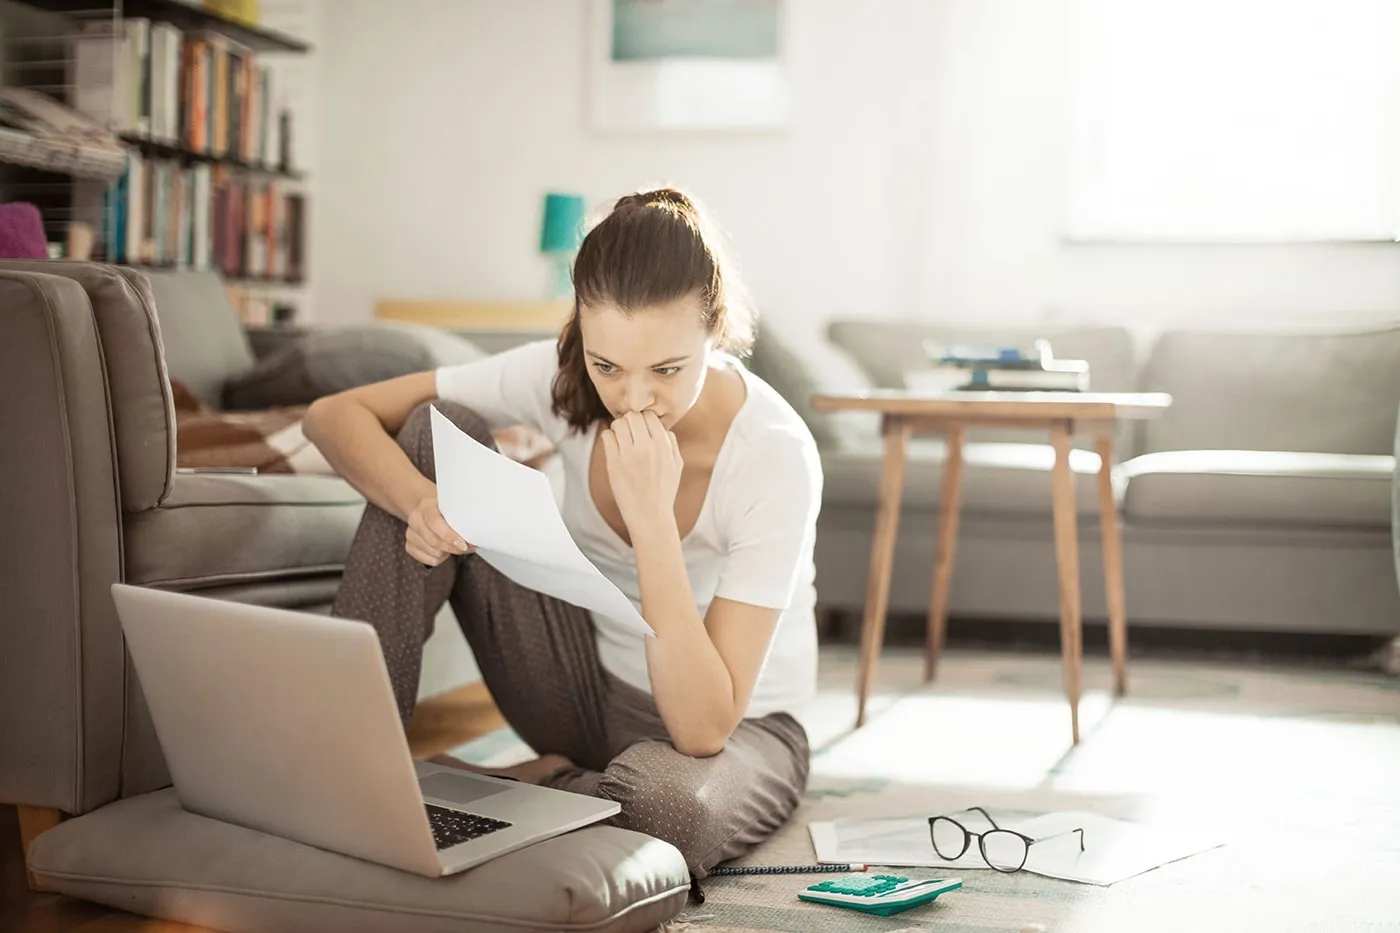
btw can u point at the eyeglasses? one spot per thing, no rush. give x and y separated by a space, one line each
1002 849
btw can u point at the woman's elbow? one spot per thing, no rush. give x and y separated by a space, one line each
704 743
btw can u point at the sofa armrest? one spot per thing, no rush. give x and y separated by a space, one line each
62 662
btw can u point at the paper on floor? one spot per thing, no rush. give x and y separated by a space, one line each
508 511
1113 849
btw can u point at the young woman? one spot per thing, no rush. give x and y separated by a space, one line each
688 481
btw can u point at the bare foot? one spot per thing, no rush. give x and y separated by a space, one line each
532 772
529 772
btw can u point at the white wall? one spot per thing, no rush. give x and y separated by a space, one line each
922 174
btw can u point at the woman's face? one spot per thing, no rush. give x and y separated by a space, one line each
654 359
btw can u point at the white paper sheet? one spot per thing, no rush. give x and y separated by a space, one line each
1113 849
507 510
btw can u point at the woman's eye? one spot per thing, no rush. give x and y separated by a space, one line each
604 368
667 370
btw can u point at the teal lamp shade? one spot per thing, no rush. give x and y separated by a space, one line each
563 222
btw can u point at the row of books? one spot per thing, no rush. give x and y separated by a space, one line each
987 368
201 216
198 91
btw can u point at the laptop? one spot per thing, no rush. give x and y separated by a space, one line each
285 722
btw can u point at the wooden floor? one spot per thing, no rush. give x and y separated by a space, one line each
439 724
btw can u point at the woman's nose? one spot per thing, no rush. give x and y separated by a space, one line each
638 395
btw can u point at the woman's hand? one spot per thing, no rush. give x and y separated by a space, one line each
644 467
429 539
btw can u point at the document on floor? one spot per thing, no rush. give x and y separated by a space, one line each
507 510
1114 850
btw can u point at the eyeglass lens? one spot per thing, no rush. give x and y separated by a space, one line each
949 839
1002 850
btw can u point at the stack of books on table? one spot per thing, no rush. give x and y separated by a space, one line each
997 368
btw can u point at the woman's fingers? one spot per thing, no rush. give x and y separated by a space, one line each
447 539
423 550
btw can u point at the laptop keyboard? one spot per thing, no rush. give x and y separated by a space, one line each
453 827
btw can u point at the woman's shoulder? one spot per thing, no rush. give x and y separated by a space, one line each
768 421
771 438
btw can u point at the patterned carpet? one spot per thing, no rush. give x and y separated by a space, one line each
1297 767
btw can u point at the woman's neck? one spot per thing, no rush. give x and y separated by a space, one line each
708 420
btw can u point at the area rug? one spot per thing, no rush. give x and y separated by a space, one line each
1297 767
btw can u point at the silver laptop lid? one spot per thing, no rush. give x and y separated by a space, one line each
280 721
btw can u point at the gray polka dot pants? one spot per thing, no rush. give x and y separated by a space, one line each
538 659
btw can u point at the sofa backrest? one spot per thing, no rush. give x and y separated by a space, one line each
887 349
1329 392
205 343
132 350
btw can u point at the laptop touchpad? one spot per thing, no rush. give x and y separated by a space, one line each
458 787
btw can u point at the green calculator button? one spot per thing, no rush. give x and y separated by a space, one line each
861 887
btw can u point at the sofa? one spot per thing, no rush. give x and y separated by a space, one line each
90 495
1260 501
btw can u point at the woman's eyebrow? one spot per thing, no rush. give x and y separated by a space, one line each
603 359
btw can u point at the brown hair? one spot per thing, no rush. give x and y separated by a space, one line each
653 248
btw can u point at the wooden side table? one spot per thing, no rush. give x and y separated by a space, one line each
1064 415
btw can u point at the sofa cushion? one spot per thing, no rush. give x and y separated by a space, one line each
205 344
798 369
217 529
325 361
1268 487
1333 392
997 478
148 855
132 345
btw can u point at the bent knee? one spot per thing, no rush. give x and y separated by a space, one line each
668 795
415 436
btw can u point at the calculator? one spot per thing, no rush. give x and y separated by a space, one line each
878 894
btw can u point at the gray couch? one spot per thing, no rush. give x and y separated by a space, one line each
1262 500
89 496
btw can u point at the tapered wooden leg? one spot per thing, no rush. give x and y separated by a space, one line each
1113 567
32 822
949 505
877 583
1067 557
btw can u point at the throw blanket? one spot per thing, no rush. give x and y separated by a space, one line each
271 440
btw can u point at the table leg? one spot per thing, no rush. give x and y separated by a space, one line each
949 505
1113 567
877 585
1067 556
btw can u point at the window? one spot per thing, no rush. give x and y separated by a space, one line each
1235 120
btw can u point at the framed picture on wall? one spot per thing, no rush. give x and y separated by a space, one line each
688 65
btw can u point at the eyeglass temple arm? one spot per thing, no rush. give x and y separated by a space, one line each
1065 833
985 815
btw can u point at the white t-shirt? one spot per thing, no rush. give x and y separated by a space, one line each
752 541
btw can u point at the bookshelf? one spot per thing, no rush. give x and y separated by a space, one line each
208 177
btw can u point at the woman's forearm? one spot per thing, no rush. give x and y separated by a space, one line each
693 689
360 450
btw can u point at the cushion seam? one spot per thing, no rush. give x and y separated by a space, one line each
251 576
358 905
245 504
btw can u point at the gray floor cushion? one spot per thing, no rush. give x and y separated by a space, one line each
149 856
